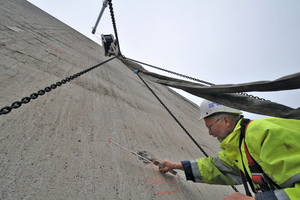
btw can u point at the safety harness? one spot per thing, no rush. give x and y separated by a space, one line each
259 178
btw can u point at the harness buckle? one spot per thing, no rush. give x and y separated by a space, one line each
258 178
258 191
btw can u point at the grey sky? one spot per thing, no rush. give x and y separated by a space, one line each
219 41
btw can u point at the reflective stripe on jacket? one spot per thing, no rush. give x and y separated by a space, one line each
274 143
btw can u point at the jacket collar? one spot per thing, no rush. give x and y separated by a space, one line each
230 145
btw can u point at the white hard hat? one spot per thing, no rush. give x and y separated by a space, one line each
208 108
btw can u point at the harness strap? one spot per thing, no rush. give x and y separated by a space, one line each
245 176
257 174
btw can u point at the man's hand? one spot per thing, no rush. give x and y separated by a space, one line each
170 165
238 196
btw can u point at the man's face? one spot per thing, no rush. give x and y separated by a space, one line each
217 127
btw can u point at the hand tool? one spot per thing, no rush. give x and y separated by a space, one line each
155 162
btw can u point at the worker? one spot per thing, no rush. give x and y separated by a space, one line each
272 144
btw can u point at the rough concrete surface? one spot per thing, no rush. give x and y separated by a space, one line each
57 146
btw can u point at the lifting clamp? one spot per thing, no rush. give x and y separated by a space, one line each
109 45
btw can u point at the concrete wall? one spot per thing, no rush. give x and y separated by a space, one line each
56 147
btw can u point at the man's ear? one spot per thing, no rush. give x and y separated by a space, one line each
227 120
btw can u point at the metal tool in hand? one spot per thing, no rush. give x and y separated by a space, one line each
155 162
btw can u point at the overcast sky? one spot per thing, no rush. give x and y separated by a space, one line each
218 41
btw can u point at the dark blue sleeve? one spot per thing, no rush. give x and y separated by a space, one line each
270 195
188 170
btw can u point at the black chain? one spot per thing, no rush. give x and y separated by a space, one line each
114 24
173 116
25 100
191 137
165 70
194 79
171 72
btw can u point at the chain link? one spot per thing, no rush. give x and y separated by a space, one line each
25 100
114 24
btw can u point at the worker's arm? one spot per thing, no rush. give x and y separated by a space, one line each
170 166
213 170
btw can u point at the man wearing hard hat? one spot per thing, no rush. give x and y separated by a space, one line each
263 152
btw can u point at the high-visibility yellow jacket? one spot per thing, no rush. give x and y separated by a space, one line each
274 143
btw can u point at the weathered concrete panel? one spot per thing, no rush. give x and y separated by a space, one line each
56 147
